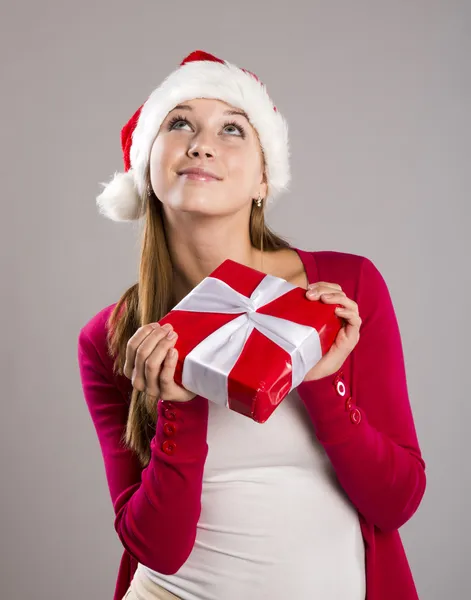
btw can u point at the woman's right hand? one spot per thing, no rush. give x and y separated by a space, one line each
150 364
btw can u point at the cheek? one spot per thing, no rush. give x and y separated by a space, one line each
162 157
156 158
243 167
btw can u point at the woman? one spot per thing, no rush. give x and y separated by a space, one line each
210 505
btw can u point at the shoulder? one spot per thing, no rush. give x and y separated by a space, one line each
340 260
352 269
95 327
93 334
358 275
360 279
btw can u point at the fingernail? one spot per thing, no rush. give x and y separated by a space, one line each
171 335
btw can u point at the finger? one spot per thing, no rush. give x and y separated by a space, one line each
167 375
352 322
318 284
349 315
132 346
154 364
143 352
340 298
315 293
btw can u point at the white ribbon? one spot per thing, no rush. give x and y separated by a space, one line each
206 368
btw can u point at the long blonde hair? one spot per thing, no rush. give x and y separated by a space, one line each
150 300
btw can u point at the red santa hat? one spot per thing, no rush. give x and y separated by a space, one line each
200 75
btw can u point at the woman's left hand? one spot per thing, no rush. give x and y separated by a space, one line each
347 338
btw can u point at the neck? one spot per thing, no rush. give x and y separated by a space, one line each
195 252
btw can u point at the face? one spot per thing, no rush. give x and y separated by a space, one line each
202 134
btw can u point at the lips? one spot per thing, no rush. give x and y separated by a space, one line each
200 174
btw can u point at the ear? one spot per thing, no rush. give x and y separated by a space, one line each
263 186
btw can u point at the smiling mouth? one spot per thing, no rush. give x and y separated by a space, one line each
199 177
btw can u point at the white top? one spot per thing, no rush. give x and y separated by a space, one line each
275 523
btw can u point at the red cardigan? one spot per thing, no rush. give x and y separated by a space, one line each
376 457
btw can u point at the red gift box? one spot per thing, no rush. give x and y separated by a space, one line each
246 338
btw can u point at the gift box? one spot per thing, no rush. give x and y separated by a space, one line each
246 339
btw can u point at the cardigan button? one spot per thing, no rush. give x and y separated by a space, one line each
169 447
167 404
170 414
169 429
355 416
349 404
340 387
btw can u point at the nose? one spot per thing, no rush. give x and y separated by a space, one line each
201 147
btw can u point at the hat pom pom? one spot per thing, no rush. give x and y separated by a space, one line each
120 200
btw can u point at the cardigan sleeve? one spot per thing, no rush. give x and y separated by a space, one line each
157 507
367 427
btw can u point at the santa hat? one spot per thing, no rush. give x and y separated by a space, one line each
200 75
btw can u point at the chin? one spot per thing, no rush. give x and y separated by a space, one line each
195 205
199 203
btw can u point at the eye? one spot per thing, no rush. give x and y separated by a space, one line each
235 126
177 120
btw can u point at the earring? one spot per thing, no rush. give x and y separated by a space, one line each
259 201
149 190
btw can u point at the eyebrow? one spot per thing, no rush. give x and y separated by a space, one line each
240 112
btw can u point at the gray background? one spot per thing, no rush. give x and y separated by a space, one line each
377 95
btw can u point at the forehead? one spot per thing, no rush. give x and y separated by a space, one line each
210 106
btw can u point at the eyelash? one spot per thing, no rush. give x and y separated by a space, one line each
178 118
